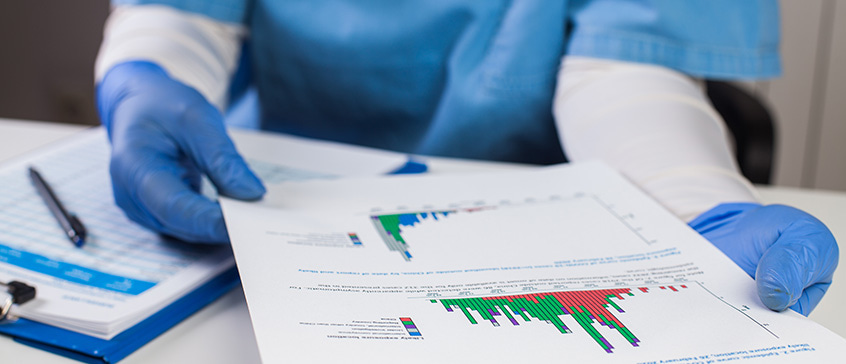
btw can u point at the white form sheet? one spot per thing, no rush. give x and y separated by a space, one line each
125 272
568 263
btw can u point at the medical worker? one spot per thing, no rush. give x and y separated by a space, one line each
521 81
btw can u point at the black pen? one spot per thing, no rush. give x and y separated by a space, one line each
69 222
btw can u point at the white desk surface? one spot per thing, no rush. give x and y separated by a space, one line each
222 332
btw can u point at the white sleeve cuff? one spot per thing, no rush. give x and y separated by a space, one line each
655 126
196 50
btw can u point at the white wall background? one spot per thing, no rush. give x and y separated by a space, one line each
809 100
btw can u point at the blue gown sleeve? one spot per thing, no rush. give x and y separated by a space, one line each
705 38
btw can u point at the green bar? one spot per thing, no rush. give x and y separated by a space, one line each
534 310
608 299
506 309
584 321
490 305
549 303
461 305
471 302
483 307
521 303
537 310
448 302
468 315
391 223
627 334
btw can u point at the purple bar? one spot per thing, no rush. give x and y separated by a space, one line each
410 326
514 322
449 309
607 343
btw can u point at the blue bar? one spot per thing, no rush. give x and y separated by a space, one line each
72 272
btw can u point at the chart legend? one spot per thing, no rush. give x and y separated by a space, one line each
586 307
354 238
410 326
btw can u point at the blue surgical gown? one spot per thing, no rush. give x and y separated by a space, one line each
470 78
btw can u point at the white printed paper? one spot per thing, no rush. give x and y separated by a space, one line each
568 264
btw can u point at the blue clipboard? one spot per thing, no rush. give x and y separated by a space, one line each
94 350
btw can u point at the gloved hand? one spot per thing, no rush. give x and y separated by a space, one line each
791 254
164 135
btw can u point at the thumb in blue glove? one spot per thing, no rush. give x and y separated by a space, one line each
164 136
791 254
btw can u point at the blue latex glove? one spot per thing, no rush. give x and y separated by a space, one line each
164 135
791 254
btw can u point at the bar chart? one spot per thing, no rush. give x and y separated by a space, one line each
390 228
587 307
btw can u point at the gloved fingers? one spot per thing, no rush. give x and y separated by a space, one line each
153 190
132 210
804 256
151 102
206 142
164 136
133 152
720 226
191 175
181 211
810 298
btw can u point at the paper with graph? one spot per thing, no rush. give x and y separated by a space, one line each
570 264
